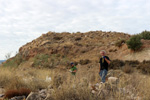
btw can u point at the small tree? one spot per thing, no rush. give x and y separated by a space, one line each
134 43
145 35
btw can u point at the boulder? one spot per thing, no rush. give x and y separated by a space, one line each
34 96
2 95
18 98
43 93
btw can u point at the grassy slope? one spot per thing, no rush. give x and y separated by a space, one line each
34 79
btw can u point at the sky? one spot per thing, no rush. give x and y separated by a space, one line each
21 21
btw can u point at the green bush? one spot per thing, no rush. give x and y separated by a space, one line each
134 43
132 63
15 61
49 61
116 64
10 63
120 42
145 35
41 60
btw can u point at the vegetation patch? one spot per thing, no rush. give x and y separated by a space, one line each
84 62
145 67
120 42
116 64
50 61
127 69
134 43
145 35
15 61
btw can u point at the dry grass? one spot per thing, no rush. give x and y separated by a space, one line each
33 79
68 87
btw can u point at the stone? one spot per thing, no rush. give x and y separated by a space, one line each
43 91
33 96
18 98
1 95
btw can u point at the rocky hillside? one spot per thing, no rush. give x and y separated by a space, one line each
76 46
53 49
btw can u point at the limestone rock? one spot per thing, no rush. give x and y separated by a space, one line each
18 98
33 96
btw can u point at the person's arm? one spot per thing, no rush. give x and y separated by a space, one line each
108 61
74 71
99 67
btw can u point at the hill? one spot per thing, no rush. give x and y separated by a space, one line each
54 49
75 46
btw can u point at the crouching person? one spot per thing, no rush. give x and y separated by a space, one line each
73 69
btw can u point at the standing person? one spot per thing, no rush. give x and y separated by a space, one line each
103 66
73 69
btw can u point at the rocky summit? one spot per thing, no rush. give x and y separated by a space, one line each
76 46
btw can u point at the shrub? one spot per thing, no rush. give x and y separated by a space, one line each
134 43
127 69
20 92
115 64
19 59
132 63
145 35
14 62
41 60
10 63
50 61
145 67
120 42
84 62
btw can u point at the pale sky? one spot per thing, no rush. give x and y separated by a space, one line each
21 21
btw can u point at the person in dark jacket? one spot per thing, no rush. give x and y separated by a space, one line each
103 66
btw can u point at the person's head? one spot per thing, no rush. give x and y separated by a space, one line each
72 64
102 52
